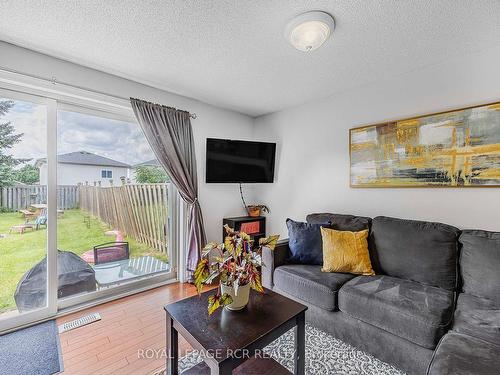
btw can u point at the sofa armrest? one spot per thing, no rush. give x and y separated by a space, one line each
271 260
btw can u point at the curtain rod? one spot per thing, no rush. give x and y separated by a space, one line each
192 115
54 81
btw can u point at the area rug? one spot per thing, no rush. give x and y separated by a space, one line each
324 355
32 350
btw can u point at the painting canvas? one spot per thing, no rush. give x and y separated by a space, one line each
458 148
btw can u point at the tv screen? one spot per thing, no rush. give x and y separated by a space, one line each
239 161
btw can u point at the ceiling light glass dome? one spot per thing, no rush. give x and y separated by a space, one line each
310 30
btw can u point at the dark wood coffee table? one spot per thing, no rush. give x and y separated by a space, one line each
234 339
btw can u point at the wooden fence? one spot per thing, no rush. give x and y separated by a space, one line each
138 210
22 196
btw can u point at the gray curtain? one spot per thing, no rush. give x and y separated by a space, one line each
170 135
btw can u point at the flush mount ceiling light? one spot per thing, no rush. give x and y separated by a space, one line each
308 31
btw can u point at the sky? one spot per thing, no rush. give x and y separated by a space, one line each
118 140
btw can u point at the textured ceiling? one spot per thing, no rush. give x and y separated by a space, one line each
233 54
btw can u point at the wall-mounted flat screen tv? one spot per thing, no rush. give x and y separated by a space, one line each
231 161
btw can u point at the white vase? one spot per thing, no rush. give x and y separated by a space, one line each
240 300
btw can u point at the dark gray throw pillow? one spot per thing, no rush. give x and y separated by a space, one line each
305 242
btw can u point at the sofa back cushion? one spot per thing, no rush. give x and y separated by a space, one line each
340 222
480 263
415 250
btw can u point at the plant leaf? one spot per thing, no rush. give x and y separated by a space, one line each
229 231
244 236
226 299
215 301
257 284
213 304
201 273
229 244
270 241
238 248
208 248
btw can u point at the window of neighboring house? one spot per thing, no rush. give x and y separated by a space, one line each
106 174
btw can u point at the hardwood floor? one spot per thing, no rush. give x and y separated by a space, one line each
121 341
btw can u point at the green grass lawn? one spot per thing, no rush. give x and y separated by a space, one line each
20 252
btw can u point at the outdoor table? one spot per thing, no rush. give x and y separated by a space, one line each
112 273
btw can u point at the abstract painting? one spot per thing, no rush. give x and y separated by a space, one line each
458 148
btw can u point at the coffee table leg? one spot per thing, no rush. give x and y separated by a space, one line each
300 345
223 369
172 365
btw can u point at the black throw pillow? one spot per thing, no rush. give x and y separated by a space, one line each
305 242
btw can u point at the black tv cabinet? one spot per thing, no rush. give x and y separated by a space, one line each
256 224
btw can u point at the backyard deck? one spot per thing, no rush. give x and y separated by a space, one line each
77 232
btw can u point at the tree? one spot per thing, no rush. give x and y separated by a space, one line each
28 174
7 140
147 174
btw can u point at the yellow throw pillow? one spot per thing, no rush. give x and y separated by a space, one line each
345 251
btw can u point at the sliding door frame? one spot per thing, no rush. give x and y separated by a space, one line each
50 309
65 97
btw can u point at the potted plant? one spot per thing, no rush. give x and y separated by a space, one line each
255 210
236 265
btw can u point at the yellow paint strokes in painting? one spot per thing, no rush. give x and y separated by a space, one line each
467 171
389 149
363 146
364 129
453 155
487 174
495 107
471 150
409 122
406 134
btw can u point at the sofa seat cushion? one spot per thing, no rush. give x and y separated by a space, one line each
413 311
309 284
459 354
478 317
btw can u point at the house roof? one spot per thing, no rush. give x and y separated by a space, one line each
148 163
86 158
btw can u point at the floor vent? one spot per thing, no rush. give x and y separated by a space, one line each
80 322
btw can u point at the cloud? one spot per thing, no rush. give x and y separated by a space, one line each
31 120
118 140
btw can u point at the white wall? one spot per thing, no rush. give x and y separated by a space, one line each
313 153
312 171
217 200
74 174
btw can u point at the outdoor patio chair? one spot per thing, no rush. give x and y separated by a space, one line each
41 220
111 252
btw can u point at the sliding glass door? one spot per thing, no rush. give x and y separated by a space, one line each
86 211
113 213
27 248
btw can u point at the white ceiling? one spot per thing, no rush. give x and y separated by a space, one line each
233 53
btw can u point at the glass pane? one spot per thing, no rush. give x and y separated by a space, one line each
112 202
23 209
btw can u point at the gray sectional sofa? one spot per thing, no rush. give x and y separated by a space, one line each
433 306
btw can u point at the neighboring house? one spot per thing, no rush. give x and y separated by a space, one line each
149 163
82 167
